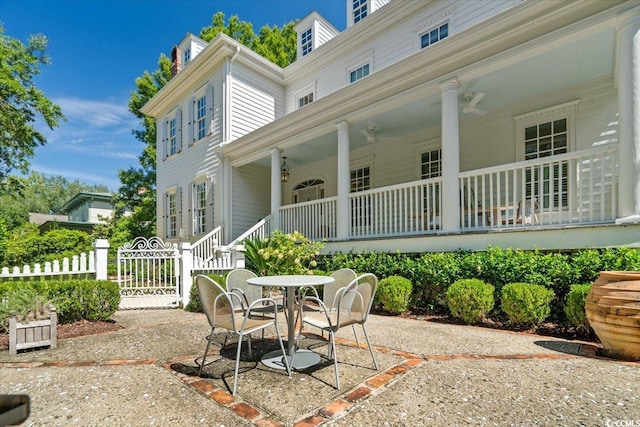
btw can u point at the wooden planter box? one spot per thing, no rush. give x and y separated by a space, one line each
33 334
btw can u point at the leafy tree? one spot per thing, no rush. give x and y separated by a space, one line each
40 194
21 104
26 245
138 184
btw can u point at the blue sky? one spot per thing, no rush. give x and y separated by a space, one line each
98 48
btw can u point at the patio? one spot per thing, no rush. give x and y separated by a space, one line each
431 374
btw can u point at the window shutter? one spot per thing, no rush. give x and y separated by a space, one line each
209 212
192 210
209 119
165 209
179 128
191 123
179 212
163 137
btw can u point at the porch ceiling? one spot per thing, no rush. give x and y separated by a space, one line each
516 76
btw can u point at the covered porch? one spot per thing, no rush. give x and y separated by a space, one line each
521 136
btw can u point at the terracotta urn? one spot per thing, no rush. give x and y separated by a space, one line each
613 311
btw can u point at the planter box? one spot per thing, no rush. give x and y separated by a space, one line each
33 334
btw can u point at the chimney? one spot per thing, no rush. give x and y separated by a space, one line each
176 61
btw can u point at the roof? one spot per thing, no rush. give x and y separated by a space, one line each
84 197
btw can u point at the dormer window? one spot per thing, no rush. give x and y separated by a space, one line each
306 42
187 56
360 9
434 35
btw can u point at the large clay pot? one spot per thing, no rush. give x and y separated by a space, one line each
613 311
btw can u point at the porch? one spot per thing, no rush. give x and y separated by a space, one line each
577 188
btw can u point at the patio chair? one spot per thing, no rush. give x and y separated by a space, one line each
342 277
226 310
526 213
236 281
352 306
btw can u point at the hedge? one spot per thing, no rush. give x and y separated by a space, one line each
431 273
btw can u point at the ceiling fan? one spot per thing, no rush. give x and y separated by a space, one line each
472 101
370 134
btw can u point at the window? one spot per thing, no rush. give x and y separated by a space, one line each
359 73
186 56
199 208
173 137
543 134
201 116
431 164
361 206
435 35
360 179
359 10
306 42
549 182
307 99
172 215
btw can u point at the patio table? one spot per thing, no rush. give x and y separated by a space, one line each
303 358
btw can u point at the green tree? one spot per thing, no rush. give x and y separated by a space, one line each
40 194
138 184
21 104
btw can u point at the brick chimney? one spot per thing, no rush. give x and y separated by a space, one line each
176 61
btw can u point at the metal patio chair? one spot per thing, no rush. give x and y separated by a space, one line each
352 306
227 310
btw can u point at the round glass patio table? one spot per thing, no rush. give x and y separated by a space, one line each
303 358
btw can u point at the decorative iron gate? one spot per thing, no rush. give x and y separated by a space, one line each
148 274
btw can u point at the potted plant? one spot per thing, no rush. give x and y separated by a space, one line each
31 319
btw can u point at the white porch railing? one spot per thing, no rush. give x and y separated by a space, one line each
261 230
315 219
207 248
403 209
573 188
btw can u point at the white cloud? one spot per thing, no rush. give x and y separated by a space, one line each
111 182
97 113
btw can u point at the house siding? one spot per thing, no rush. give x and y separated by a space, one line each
392 45
251 197
255 101
196 157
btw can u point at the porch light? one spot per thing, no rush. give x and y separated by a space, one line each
284 170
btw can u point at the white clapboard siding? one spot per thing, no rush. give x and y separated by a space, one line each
389 46
251 196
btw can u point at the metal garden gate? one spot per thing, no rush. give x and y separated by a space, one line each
148 274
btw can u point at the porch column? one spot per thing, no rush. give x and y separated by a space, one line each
276 188
450 192
225 213
344 178
629 119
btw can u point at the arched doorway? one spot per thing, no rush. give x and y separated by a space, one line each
312 189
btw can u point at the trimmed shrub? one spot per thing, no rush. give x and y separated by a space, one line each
195 306
394 293
526 304
470 299
574 309
74 300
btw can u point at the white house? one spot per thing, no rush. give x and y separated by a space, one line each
425 125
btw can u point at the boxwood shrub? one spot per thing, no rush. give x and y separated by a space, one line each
394 294
470 299
526 303
575 307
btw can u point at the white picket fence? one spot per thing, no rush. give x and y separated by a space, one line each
91 263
